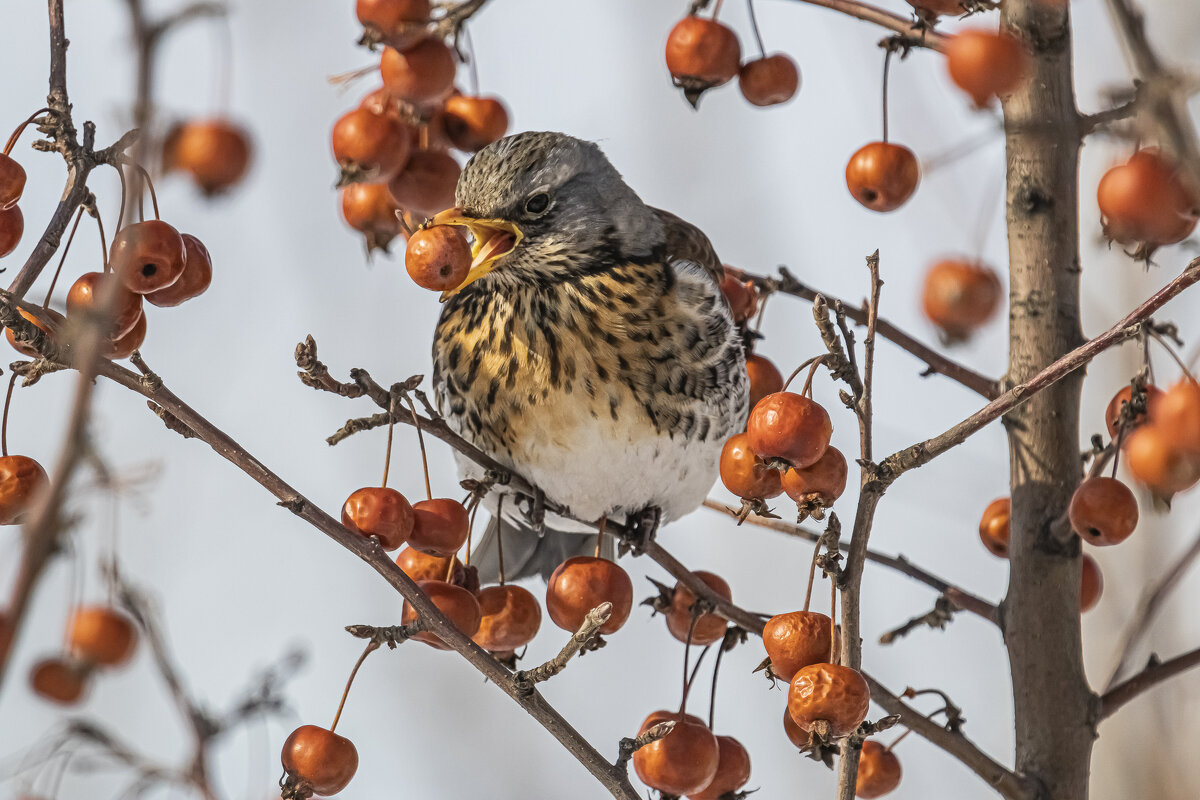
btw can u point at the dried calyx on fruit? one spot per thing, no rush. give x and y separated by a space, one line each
701 54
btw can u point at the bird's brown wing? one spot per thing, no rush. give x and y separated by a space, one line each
686 242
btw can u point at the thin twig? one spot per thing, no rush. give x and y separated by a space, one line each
1155 673
525 680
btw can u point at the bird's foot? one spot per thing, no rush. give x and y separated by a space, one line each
640 530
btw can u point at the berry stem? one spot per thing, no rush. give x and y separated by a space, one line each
12 381
717 9
712 698
63 258
421 441
600 533
12 140
799 369
372 645
762 51
500 537
153 195
687 689
470 531
887 63
387 458
120 168
812 573
897 741
687 650
833 643
471 61
807 390
1158 337
103 240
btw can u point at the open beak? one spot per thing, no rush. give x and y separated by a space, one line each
493 239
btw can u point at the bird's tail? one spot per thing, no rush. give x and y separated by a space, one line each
526 552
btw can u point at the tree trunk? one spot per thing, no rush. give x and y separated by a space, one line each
1055 711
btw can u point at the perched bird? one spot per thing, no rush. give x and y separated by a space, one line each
590 348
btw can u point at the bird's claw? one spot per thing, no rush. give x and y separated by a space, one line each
640 530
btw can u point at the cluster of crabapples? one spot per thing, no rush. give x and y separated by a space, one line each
1157 434
393 150
97 637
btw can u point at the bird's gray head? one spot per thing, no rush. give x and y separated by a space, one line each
561 200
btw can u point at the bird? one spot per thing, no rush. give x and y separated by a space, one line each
589 349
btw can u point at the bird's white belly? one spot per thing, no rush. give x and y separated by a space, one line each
605 467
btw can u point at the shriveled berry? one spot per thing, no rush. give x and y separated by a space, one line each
370 209
369 145
379 512
733 771
878 771
321 757
745 474
510 618
12 226
196 277
987 64
1103 511
683 762
21 478
455 602
882 176
708 627
12 182
960 296
420 74
426 184
789 426
769 80
830 692
424 567
994 526
580 584
796 640
472 123
148 256
438 258
440 526
820 483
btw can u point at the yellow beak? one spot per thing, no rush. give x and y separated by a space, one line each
493 239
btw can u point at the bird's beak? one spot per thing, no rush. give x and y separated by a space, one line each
493 239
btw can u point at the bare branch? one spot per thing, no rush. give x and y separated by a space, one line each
935 363
595 619
1154 673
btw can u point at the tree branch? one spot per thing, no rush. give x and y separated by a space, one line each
1145 680
905 26
960 597
922 453
935 363
1148 608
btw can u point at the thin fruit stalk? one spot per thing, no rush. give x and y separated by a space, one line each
1053 705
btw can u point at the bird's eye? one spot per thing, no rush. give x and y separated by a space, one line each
538 203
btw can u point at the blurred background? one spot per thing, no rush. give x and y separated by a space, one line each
241 582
